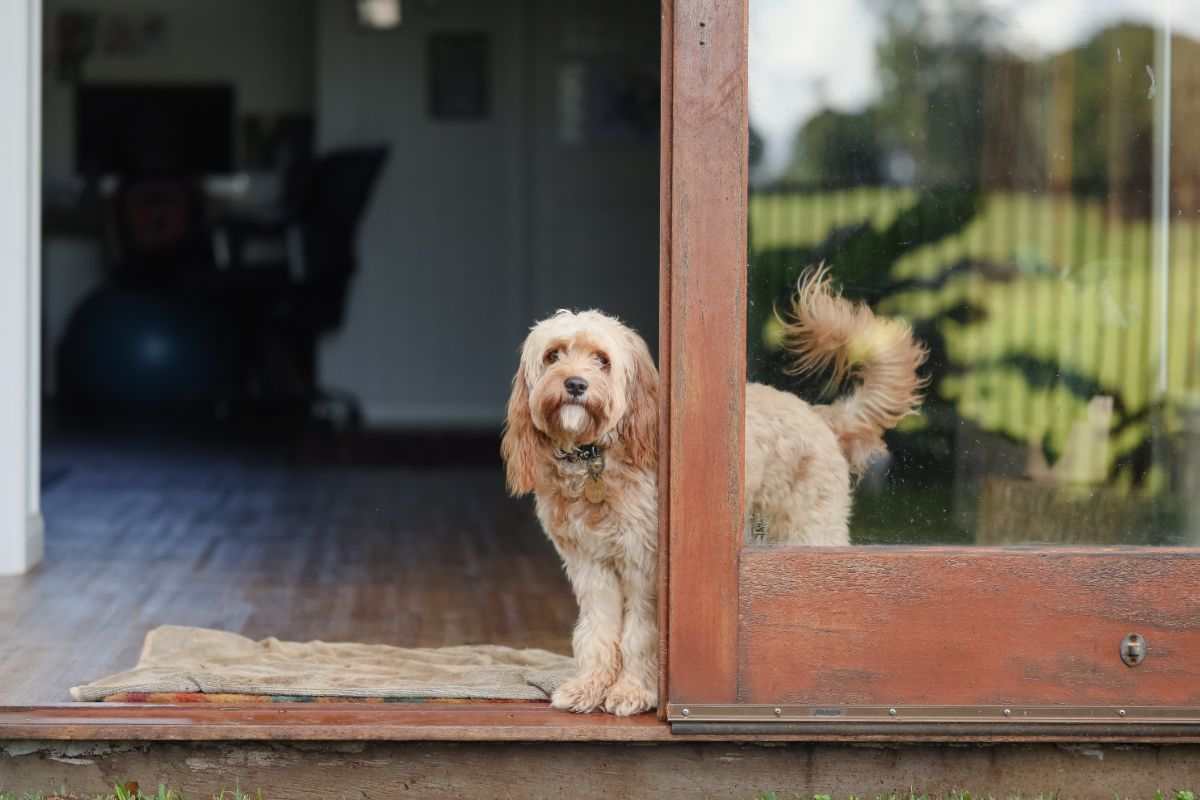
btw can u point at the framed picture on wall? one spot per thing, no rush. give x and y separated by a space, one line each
607 100
459 76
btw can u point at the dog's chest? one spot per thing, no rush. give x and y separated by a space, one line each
572 479
603 529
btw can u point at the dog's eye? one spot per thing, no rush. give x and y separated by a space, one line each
603 359
551 356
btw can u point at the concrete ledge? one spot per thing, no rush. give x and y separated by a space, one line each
603 771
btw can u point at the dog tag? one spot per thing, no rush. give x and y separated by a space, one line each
593 490
593 487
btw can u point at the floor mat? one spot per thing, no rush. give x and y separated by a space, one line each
178 661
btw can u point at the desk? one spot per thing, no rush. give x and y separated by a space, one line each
76 245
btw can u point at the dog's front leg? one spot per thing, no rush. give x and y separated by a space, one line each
597 638
636 689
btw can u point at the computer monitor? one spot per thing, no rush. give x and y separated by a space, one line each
137 128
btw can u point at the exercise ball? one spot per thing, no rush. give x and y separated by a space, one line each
148 356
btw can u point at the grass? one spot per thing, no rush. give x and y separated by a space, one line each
1089 298
905 514
131 791
1179 794
128 791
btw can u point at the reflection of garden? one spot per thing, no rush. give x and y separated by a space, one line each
1023 252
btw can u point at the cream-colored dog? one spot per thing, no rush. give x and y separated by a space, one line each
582 435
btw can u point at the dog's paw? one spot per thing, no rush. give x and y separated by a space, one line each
628 697
581 694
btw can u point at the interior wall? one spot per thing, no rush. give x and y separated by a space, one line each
438 304
263 47
595 200
476 228
479 228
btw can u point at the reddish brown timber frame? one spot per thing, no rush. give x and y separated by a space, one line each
942 638
941 626
704 321
962 637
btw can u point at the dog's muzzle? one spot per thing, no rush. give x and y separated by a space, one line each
575 386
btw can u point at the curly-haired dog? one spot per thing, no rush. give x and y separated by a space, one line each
582 436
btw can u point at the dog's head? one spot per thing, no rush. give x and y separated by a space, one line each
583 378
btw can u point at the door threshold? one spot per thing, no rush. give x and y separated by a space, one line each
482 721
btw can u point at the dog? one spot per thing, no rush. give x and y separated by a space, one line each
582 436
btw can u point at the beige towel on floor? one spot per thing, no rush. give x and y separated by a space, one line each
179 659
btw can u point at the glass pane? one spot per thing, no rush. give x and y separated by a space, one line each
1016 180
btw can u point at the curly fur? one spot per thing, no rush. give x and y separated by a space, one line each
799 463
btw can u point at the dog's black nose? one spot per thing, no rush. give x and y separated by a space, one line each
576 386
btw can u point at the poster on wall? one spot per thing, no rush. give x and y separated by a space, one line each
76 36
459 76
607 101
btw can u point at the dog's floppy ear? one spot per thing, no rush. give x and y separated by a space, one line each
519 444
639 427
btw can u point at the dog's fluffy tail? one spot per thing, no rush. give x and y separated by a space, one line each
825 330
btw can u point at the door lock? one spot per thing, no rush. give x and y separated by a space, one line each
1133 650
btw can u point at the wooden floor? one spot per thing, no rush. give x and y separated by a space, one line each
141 534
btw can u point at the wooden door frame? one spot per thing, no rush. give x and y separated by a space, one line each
20 289
737 620
704 172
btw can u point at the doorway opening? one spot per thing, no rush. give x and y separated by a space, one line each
289 252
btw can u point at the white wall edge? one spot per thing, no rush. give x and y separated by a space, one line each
21 536
35 538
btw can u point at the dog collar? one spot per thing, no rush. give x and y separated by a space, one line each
584 452
591 455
